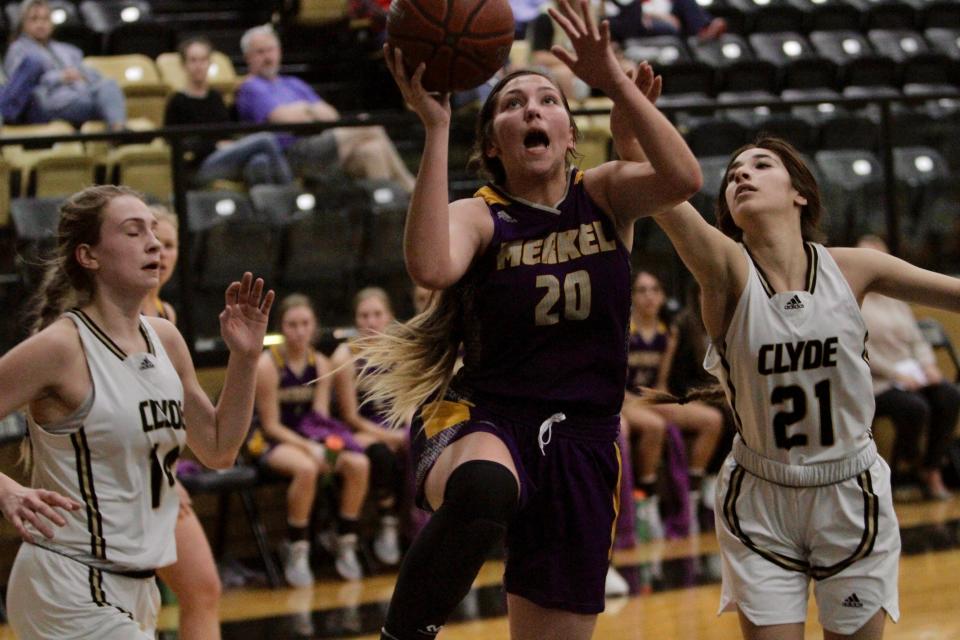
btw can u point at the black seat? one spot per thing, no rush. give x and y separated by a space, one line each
797 62
241 479
103 15
659 51
713 169
35 223
385 215
849 131
940 13
927 205
713 136
856 60
789 127
144 36
937 337
887 14
944 40
736 66
772 16
852 188
918 62
748 116
827 15
282 204
813 113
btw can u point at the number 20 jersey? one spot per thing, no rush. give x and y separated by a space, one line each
794 366
547 306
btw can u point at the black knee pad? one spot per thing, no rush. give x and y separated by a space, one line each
481 490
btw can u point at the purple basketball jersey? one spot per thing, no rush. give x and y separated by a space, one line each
645 357
546 307
294 395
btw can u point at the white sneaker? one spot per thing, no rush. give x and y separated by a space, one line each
347 562
649 524
386 544
296 565
615 584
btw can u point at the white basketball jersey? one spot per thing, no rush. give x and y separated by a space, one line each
794 366
117 457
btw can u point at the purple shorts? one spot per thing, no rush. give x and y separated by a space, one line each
318 428
559 542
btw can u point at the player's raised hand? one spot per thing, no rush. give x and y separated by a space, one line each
22 505
621 129
433 109
592 58
243 321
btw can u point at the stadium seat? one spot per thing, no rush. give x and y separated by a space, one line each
848 131
714 136
827 15
62 12
856 60
321 11
750 115
940 13
705 200
146 37
887 14
946 41
852 188
773 16
791 128
24 160
927 203
735 12
797 62
144 167
918 62
737 68
35 223
60 174
813 113
670 102
103 15
386 212
659 51
138 77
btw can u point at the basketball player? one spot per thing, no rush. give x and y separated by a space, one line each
536 277
803 494
291 439
193 577
113 398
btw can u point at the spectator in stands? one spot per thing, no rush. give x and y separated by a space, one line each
386 448
651 349
256 158
193 577
296 438
47 79
642 18
268 96
909 387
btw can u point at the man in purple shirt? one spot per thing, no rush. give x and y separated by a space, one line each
268 96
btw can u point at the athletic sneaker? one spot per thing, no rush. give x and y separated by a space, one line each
296 564
386 544
344 551
615 584
649 525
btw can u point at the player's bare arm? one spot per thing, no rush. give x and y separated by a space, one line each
871 271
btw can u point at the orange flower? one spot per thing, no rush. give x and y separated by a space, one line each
334 443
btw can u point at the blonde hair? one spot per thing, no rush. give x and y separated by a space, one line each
411 362
66 283
162 214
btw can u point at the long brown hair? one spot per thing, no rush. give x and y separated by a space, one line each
801 178
491 168
65 283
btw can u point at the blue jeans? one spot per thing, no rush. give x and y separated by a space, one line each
102 99
256 159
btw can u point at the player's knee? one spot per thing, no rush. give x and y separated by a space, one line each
306 470
482 490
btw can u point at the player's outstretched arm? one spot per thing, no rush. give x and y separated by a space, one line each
434 249
871 271
215 434
628 190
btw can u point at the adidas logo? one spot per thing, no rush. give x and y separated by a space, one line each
506 217
146 364
853 601
794 303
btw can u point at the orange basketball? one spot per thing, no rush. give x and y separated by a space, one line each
462 42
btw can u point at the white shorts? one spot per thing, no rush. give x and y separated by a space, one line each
774 539
51 596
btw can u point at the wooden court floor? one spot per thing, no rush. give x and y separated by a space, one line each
674 584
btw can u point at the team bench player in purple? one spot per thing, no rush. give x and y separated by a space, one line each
535 274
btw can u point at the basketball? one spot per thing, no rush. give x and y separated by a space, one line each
462 42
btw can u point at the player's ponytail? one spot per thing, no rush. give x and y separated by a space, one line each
66 283
411 362
711 394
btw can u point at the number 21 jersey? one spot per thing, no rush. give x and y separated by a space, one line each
794 366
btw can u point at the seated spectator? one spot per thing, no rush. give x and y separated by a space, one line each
651 349
643 18
909 387
386 448
295 437
268 96
47 79
256 159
